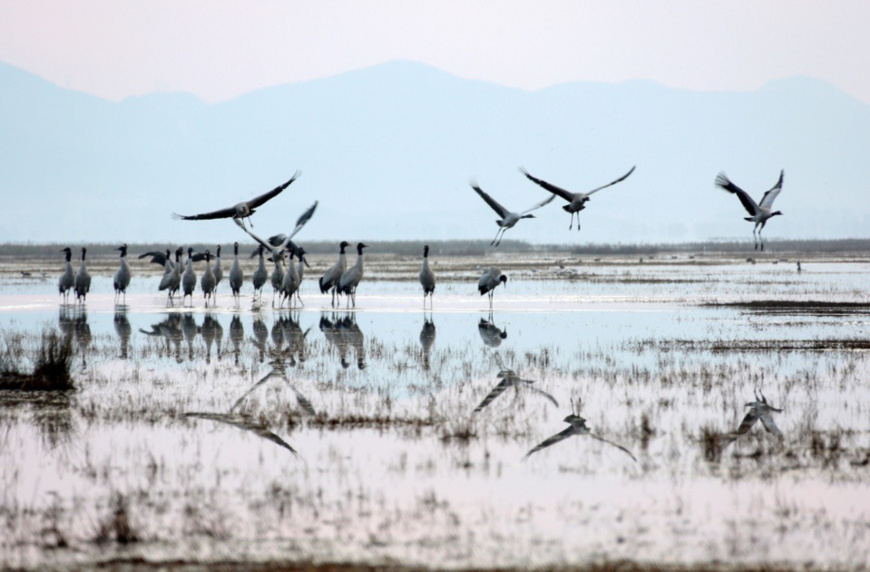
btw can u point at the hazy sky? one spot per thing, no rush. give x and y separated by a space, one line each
219 50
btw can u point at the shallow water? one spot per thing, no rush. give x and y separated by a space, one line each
394 465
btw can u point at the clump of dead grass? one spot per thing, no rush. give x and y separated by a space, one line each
117 527
51 371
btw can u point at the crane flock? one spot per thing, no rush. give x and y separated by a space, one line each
340 280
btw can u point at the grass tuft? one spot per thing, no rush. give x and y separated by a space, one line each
116 526
51 371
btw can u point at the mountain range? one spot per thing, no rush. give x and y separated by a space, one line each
389 151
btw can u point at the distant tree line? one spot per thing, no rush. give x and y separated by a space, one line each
854 246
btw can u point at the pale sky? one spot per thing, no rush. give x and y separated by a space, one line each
219 50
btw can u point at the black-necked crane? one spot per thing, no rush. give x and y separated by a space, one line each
284 240
218 271
280 243
277 277
188 279
759 213
508 218
237 275
300 272
260 275
329 280
83 280
427 278
122 276
67 279
576 201
171 275
351 277
240 211
289 284
490 278
208 282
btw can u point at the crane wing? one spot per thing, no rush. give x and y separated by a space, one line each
770 196
620 447
539 205
567 195
300 222
610 184
303 401
747 422
156 257
542 393
767 421
562 435
257 201
266 245
246 424
749 204
496 391
223 213
253 387
502 212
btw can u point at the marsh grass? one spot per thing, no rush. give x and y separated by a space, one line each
394 464
799 307
51 369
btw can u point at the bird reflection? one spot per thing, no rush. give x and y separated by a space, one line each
83 335
329 328
212 332
190 330
344 334
279 370
170 330
261 336
509 378
247 423
294 337
66 318
277 335
123 329
760 409
577 426
427 340
352 337
491 334
237 335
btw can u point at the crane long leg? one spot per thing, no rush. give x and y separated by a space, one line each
499 236
498 232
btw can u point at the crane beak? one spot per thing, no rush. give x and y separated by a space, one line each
305 260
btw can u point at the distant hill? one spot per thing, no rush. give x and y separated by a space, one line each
389 150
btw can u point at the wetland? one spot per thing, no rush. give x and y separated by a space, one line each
389 436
